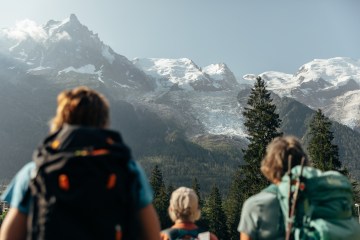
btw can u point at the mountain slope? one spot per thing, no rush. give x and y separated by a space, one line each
295 120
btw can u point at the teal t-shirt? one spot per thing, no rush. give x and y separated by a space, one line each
261 217
15 192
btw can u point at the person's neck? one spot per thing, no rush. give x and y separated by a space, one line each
276 181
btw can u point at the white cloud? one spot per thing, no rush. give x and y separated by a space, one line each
62 36
26 28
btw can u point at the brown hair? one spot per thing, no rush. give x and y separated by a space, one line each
278 153
81 106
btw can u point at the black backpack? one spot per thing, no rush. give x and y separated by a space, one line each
82 187
183 234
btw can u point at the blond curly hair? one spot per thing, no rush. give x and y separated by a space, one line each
184 205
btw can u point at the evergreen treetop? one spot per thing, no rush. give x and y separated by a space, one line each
215 215
262 124
322 152
161 197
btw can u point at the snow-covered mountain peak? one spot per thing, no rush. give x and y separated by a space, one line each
169 72
184 74
73 19
332 85
216 69
176 70
52 27
281 82
221 73
334 70
67 49
52 32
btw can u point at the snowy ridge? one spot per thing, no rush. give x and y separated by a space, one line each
181 72
332 85
216 71
60 48
28 41
334 70
87 69
186 75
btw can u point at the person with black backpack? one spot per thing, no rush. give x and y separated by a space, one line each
184 212
82 182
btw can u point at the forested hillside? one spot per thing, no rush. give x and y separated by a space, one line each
296 118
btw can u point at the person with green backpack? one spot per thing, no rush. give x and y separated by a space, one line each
261 216
301 203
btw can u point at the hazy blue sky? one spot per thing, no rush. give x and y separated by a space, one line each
250 36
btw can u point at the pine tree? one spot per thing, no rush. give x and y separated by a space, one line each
233 204
214 213
262 124
169 190
161 197
202 222
324 154
196 187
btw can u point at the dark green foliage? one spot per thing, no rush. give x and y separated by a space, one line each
262 124
161 197
2 217
322 152
169 190
233 204
181 160
356 189
348 142
196 187
202 222
214 214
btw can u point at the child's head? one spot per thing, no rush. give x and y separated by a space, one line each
184 205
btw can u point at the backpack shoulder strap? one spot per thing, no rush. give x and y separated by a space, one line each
272 188
178 233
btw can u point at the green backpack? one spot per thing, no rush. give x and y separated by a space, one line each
320 205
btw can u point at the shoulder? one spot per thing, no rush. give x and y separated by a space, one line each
164 235
260 199
143 189
18 187
25 172
213 236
